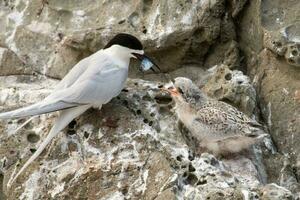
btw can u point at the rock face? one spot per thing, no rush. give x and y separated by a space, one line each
131 149
10 63
243 52
175 33
232 86
273 65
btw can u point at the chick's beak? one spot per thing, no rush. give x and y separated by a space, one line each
147 63
172 91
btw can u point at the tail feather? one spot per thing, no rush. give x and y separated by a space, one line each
66 116
36 109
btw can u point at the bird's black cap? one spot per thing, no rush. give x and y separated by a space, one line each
125 40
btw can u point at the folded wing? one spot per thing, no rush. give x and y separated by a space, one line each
37 109
94 80
97 86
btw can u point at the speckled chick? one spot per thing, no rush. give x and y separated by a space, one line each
214 126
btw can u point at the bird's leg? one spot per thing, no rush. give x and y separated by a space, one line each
190 140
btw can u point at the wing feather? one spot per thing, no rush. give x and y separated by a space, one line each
37 109
94 80
95 88
218 120
78 70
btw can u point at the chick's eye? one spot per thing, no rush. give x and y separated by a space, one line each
180 90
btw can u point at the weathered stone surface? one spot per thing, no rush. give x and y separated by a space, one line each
131 149
277 83
106 154
282 44
159 174
269 38
272 191
175 33
292 54
10 64
233 87
11 99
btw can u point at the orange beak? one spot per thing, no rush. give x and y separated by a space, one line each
172 91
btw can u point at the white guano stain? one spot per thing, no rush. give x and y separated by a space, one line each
269 106
17 18
40 27
245 194
145 177
32 188
114 196
152 21
187 19
58 189
80 13
78 19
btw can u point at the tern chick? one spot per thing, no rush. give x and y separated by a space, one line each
213 125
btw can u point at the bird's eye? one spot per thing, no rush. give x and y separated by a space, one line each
180 90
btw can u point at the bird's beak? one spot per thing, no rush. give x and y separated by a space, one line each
147 63
172 91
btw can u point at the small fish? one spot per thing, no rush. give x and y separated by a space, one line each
146 64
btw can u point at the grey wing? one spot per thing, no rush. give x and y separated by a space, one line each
79 69
85 69
240 116
95 87
73 74
219 122
37 109
50 105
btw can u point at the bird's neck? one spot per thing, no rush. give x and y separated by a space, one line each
183 110
198 99
119 55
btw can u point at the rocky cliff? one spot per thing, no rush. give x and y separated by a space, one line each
243 52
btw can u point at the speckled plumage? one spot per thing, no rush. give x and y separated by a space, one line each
214 125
